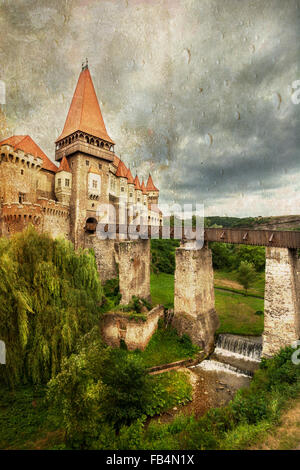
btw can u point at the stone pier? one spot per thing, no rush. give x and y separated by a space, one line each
105 253
282 300
134 269
194 298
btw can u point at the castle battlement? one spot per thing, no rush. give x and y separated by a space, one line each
10 155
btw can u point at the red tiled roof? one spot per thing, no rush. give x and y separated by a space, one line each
64 165
25 143
130 177
84 113
143 188
150 186
122 170
137 183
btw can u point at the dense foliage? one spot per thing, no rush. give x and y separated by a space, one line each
100 390
49 297
163 255
251 413
225 256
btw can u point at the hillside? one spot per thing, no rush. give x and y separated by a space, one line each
284 222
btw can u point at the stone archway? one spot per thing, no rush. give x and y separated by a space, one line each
91 225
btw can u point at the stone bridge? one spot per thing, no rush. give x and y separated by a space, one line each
194 301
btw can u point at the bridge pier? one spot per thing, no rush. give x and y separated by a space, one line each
134 269
282 300
194 298
105 254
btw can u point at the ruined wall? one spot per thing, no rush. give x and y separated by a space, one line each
136 333
105 254
194 299
134 269
282 312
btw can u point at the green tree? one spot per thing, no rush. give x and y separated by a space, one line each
246 274
49 296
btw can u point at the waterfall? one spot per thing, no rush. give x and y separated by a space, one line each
216 366
241 346
234 354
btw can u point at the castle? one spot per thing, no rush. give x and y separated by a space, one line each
64 200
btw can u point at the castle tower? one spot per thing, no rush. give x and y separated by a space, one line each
152 191
121 173
144 210
89 151
63 182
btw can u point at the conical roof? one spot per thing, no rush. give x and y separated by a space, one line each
137 183
121 170
84 113
150 186
143 188
130 177
64 165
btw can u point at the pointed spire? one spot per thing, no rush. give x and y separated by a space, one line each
150 186
121 170
130 177
137 183
143 188
64 165
84 113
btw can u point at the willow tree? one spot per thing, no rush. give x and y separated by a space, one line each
49 296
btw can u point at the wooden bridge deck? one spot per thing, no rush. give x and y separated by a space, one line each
275 238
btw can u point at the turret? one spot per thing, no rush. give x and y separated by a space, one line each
63 182
152 191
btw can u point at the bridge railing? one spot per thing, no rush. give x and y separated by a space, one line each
269 238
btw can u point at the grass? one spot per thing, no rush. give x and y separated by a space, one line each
236 312
24 420
285 436
229 279
166 346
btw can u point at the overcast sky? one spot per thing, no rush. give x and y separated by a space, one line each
197 91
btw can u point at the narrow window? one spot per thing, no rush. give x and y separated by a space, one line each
87 163
21 198
95 184
67 183
59 182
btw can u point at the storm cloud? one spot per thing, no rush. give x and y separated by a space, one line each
196 91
